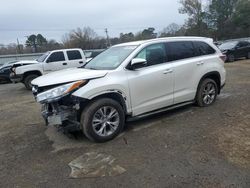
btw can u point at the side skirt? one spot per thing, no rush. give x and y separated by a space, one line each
159 110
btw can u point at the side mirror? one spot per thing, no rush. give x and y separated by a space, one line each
138 63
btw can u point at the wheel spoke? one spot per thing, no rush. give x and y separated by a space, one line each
96 122
212 91
100 131
112 114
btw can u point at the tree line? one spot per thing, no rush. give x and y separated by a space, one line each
218 19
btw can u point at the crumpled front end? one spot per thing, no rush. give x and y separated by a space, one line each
59 107
63 112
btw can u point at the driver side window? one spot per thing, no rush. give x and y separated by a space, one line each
154 54
56 56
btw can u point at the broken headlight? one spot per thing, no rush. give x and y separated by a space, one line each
60 91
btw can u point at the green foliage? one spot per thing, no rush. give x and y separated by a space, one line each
146 34
220 19
36 41
241 18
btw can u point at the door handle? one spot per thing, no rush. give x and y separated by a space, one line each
200 63
168 71
80 62
65 63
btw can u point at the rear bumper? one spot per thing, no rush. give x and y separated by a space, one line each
16 77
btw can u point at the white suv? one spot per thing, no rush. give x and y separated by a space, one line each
131 80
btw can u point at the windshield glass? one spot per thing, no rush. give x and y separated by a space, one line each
43 57
228 45
111 58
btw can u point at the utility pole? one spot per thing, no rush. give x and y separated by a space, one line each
108 41
18 46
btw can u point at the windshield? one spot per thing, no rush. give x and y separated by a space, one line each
43 57
111 58
228 45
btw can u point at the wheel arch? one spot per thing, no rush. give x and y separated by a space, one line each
37 72
214 75
112 94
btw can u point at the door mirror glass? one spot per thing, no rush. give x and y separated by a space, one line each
138 63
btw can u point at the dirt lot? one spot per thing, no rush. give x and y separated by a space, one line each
188 147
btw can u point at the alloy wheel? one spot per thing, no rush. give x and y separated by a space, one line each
105 121
209 93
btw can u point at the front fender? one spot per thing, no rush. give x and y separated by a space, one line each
106 85
28 68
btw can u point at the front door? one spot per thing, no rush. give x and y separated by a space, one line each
54 62
151 87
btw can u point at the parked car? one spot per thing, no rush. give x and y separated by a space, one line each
26 71
129 81
5 72
235 50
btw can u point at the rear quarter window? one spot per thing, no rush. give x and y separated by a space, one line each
74 55
202 48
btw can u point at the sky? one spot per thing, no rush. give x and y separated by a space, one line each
54 18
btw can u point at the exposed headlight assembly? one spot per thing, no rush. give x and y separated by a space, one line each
59 92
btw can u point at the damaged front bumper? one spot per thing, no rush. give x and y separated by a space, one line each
59 114
15 78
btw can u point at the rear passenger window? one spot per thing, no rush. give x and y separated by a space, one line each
74 54
203 48
154 54
180 50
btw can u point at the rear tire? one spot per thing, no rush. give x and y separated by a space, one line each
102 120
248 55
207 93
28 79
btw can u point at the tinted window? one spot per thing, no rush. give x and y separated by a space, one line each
243 44
56 56
154 54
74 54
180 50
203 48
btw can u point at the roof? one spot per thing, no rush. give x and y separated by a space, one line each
136 43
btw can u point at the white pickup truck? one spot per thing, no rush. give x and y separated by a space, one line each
26 71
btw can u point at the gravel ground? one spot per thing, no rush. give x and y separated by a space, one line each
187 147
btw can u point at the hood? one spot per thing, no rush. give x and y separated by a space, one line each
225 49
26 62
68 75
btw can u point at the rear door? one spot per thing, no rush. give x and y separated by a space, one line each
180 54
190 61
75 58
242 49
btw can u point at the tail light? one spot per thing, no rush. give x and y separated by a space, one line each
223 58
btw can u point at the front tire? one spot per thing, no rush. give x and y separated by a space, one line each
207 93
28 79
102 120
230 58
